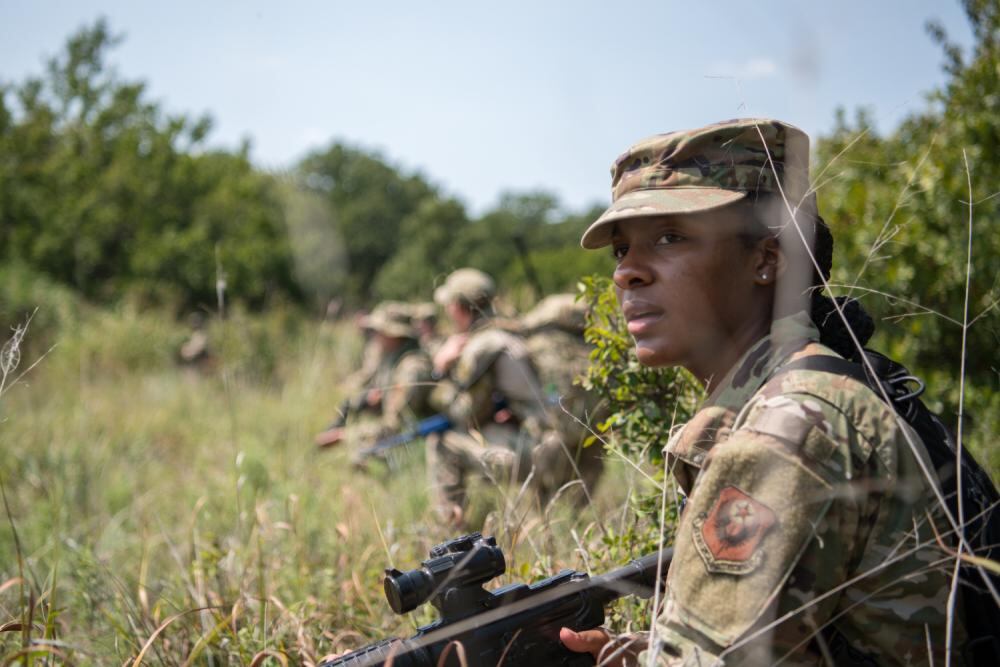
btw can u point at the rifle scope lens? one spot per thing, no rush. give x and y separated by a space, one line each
406 591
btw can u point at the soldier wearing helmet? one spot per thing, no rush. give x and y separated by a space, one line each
490 390
553 331
397 389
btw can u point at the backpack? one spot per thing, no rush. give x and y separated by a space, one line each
980 500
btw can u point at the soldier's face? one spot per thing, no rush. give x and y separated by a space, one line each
688 288
387 343
460 317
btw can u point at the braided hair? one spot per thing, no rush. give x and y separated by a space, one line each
833 332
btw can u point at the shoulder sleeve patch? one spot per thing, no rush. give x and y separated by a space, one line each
728 537
754 509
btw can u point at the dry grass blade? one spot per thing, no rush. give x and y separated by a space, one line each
15 626
156 633
34 651
885 234
893 299
459 651
204 640
984 563
13 581
10 354
506 649
269 653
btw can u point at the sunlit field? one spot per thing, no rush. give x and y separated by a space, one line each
162 512
166 514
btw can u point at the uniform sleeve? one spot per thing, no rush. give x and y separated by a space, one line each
408 394
480 376
474 403
767 535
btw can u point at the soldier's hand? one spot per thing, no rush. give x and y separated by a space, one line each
329 437
453 515
608 651
449 353
373 397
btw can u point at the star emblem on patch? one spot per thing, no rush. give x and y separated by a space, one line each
728 536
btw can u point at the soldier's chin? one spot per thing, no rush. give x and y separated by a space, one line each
650 355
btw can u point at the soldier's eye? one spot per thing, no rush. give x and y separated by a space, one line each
619 251
668 238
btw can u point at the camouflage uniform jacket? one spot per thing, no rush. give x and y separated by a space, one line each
404 378
494 367
806 509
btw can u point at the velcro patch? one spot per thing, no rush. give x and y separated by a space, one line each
728 536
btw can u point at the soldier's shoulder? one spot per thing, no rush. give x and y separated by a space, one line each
847 400
831 418
493 340
414 359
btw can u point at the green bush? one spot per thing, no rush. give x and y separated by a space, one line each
646 403
52 307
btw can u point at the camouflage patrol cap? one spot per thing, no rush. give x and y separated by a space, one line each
702 169
423 312
470 286
390 319
558 311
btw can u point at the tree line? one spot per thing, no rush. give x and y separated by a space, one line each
104 192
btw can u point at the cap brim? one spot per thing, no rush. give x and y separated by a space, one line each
645 203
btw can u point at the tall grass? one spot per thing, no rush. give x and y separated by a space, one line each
154 516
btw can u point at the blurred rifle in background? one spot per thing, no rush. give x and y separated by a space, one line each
438 423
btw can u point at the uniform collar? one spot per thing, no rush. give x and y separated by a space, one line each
408 345
713 422
480 323
757 364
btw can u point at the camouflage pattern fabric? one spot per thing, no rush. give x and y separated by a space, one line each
703 169
806 511
404 380
554 336
371 357
424 317
494 367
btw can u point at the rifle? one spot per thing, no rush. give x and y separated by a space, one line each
434 424
516 624
438 423
347 407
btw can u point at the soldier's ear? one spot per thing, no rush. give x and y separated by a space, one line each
769 261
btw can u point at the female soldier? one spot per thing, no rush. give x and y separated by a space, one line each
807 533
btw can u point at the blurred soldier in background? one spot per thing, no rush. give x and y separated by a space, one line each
371 354
424 316
398 388
195 352
491 392
554 333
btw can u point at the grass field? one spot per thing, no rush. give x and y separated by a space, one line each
164 515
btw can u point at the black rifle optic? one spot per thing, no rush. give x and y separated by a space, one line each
517 625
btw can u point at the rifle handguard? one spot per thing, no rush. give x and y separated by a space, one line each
518 624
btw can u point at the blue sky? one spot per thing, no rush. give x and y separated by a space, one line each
488 97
